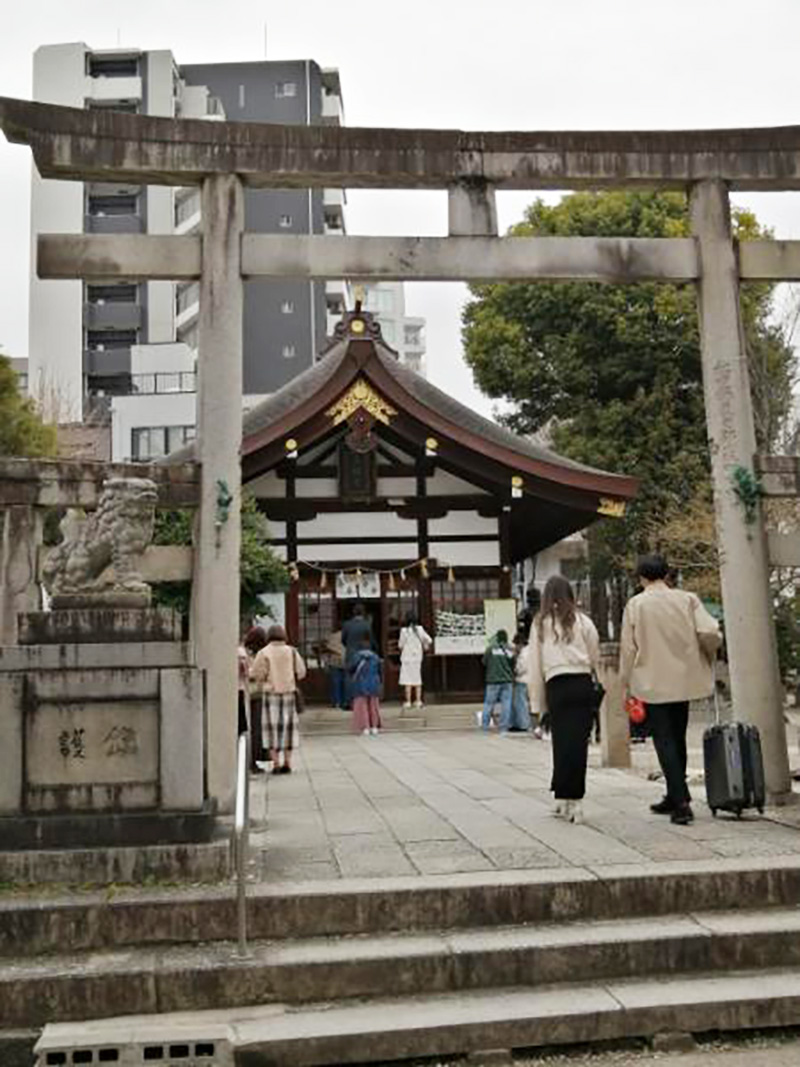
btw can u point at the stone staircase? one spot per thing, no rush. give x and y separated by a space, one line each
323 720
384 970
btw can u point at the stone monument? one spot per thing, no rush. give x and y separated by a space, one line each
103 709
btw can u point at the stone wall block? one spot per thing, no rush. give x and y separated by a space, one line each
182 727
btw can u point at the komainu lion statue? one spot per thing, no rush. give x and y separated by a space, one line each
100 552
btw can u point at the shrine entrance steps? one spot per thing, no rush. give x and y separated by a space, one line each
389 969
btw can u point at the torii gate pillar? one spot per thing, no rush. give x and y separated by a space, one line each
215 587
744 564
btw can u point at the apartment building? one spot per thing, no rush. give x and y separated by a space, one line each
405 333
125 352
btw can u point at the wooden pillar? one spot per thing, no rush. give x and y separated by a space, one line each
215 587
744 565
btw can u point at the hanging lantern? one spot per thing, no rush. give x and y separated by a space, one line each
323 581
423 568
451 576
392 583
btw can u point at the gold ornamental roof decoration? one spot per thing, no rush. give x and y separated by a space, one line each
360 395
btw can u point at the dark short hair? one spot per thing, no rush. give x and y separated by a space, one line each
501 637
652 567
255 639
358 609
276 633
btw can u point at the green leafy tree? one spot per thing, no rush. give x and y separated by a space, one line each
260 569
610 375
22 432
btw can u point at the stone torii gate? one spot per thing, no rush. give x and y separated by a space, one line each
224 158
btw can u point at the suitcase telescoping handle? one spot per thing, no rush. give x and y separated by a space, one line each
715 690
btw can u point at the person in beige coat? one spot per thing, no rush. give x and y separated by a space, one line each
278 668
667 653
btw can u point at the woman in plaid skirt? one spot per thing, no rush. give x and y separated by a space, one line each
279 667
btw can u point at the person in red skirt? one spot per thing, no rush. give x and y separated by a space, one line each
366 679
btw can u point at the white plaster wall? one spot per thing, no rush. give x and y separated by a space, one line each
55 341
464 554
462 522
357 553
443 483
548 561
399 487
267 485
356 524
321 487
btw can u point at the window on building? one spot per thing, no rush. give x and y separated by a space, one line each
285 89
126 204
380 300
288 352
413 335
151 442
113 66
287 307
103 340
333 220
285 222
126 293
128 107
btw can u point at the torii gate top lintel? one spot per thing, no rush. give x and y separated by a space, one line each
71 143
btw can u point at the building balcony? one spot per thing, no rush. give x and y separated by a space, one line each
332 110
112 316
187 211
107 361
113 224
109 89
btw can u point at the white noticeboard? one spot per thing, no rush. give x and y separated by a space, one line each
366 587
500 614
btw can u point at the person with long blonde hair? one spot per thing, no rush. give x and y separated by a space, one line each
564 651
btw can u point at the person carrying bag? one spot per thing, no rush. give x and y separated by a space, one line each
279 668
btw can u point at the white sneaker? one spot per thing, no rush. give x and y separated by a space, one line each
365 732
537 733
406 707
374 731
576 812
419 705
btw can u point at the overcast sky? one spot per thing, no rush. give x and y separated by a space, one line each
470 64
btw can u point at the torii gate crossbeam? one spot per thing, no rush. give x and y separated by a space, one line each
223 158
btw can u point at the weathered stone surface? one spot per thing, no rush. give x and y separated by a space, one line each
99 625
99 554
181 739
69 657
86 848
673 1041
12 696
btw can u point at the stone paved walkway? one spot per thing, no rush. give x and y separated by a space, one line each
434 802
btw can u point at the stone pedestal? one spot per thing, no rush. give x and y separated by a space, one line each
614 730
103 725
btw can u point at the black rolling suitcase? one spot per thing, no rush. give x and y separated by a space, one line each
734 768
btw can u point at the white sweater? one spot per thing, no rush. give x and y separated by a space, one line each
554 655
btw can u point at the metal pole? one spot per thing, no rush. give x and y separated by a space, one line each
240 843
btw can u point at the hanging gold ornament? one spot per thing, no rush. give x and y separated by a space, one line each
451 576
392 584
423 568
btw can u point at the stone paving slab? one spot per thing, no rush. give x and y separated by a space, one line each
434 803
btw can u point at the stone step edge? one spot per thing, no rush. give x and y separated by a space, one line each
31 925
104 984
406 1027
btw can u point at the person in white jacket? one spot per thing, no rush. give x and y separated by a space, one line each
413 643
564 651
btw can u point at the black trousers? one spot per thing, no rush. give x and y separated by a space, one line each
668 724
256 739
570 704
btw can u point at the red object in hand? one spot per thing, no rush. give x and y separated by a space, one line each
636 710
